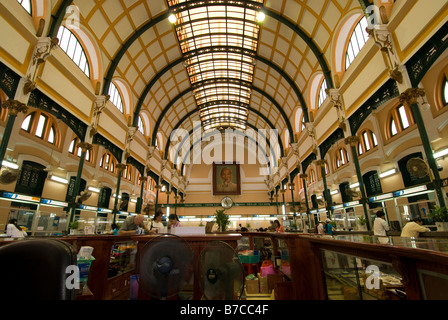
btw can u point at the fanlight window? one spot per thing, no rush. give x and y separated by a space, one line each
73 48
341 157
115 97
41 126
26 4
368 141
141 127
73 149
400 119
357 41
445 92
322 93
107 162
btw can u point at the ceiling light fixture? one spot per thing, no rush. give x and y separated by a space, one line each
172 18
261 16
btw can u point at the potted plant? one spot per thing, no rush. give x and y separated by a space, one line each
222 219
362 221
440 216
73 227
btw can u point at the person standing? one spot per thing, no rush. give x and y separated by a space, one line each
320 228
329 228
380 226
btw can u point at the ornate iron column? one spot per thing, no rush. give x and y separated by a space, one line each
120 168
84 147
14 108
410 97
353 141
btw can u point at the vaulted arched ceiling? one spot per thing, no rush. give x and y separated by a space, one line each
168 66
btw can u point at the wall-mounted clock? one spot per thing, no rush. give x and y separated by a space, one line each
227 202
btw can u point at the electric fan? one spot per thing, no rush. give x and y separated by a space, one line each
165 266
417 167
220 272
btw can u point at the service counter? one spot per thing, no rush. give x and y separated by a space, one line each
115 258
319 264
320 267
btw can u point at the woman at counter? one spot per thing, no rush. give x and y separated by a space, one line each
173 221
156 223
13 230
278 227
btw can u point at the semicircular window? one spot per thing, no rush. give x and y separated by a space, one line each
73 48
357 41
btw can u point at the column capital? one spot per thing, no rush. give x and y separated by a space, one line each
15 107
85 146
352 141
411 95
121 166
320 162
303 176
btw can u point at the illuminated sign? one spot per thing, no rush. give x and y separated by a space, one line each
54 203
410 191
16 196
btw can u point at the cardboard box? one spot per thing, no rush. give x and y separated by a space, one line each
263 283
252 286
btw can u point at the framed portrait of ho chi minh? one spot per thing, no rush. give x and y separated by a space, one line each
226 179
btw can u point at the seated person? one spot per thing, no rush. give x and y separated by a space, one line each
132 224
173 221
413 228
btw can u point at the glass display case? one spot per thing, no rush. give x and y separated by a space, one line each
354 278
122 258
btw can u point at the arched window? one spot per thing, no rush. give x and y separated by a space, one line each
312 176
73 48
41 126
26 4
322 93
358 39
399 120
115 97
141 126
341 157
73 149
107 162
445 92
368 141
127 172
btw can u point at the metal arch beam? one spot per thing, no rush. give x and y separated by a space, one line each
150 24
267 62
58 18
180 95
239 132
188 115
126 46
319 55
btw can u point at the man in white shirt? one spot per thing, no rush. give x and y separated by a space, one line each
413 228
380 226
320 228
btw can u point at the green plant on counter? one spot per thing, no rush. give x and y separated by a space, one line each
74 225
222 219
201 224
248 225
439 214
362 221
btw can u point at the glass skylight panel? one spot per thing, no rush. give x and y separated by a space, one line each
219 43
